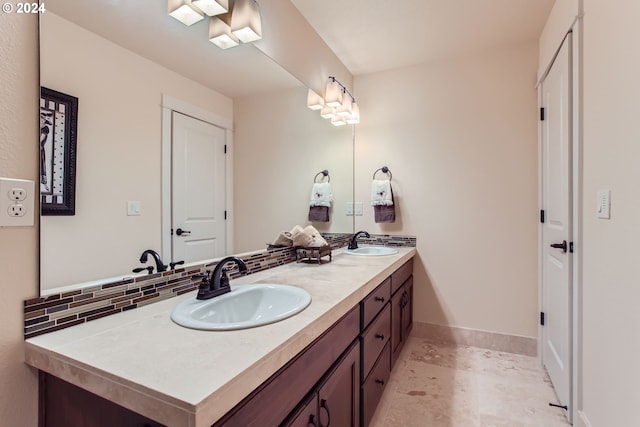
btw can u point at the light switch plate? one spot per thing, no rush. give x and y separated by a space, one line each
603 210
134 208
349 208
358 208
17 200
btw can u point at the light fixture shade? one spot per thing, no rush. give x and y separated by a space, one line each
333 94
344 109
338 120
212 7
314 101
220 32
354 117
327 112
245 21
184 12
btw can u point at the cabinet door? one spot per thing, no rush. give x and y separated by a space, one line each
407 309
339 395
397 326
307 416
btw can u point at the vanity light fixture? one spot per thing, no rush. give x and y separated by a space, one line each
220 32
340 113
354 117
327 112
245 21
183 11
314 101
212 7
333 93
230 21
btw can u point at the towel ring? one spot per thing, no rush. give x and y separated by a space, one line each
323 173
384 169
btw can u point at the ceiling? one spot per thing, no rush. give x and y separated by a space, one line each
376 35
367 35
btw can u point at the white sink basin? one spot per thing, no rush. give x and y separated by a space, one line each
244 307
371 251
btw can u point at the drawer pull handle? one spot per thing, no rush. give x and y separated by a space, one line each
379 299
380 336
325 406
381 382
312 421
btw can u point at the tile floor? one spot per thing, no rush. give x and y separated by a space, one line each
439 385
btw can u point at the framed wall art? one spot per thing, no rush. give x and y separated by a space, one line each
58 144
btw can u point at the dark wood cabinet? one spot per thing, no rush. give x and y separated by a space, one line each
337 380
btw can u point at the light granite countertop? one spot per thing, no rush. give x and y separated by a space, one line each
142 360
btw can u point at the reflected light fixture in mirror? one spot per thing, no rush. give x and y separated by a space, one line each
183 11
333 93
338 120
314 101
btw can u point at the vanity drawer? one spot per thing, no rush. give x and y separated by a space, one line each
374 339
375 301
374 386
401 275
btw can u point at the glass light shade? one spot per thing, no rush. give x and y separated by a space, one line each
327 112
338 120
344 109
314 101
333 94
220 32
184 12
245 21
212 7
354 117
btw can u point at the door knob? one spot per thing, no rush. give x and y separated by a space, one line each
562 245
181 232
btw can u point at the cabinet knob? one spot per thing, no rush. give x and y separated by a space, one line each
379 299
312 421
379 381
380 336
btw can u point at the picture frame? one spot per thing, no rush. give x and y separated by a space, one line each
58 147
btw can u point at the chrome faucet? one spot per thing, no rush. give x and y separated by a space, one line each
218 282
353 243
160 267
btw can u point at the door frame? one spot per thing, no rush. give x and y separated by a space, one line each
169 105
575 403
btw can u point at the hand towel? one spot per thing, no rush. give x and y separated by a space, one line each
317 240
319 213
381 194
283 239
321 194
384 210
300 237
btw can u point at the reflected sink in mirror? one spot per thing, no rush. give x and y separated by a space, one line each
244 307
371 251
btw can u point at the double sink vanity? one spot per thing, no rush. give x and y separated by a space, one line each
330 360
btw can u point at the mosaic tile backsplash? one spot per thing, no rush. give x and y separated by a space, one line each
59 311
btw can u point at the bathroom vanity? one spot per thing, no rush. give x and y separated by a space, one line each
332 360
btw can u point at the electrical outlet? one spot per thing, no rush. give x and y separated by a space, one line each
17 202
17 210
18 194
358 208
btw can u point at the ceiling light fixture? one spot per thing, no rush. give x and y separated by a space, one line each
339 104
183 11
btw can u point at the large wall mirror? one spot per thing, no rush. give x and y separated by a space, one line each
131 67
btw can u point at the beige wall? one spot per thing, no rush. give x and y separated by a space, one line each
18 246
279 148
460 137
611 272
119 151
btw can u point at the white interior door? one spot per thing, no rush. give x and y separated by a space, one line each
556 228
198 189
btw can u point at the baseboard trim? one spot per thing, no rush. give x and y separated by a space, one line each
581 420
516 344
